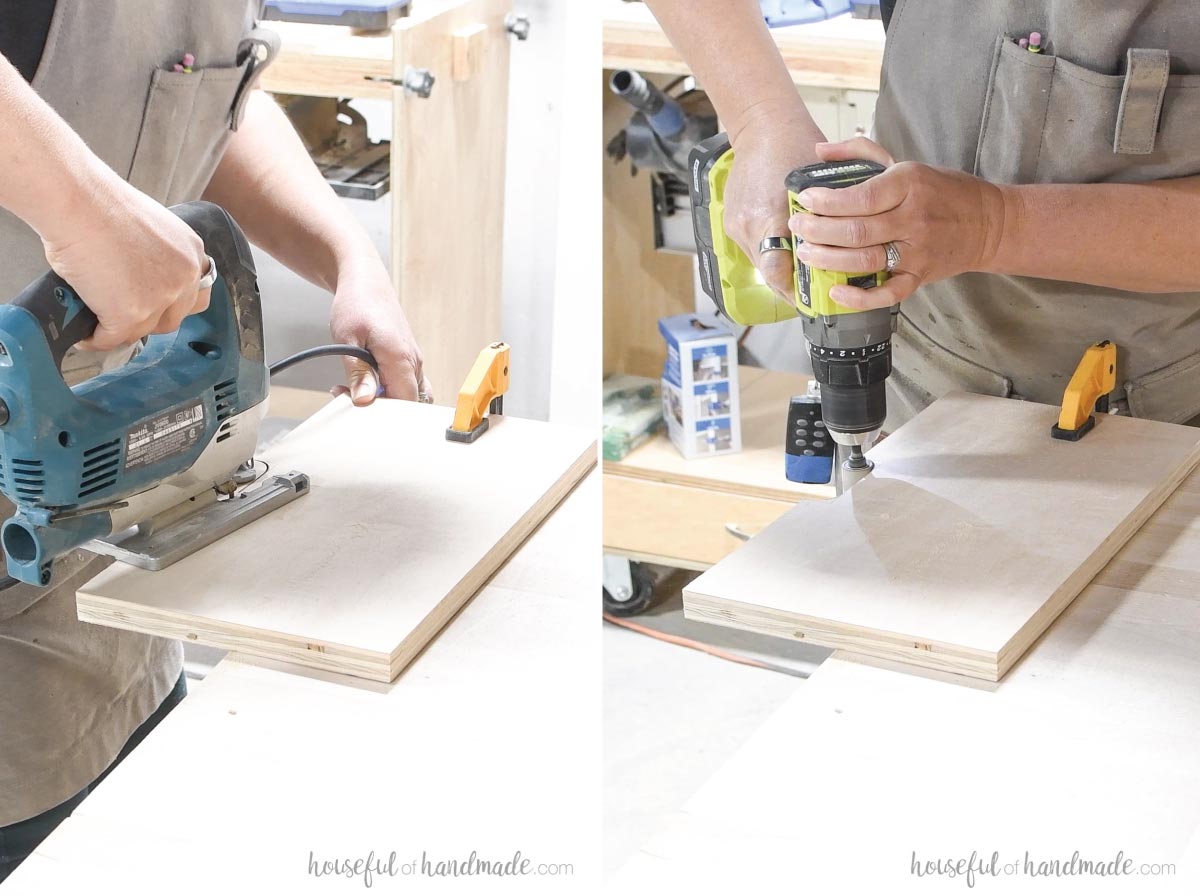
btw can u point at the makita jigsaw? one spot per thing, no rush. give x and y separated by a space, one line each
153 460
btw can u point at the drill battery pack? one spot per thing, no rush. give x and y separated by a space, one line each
728 276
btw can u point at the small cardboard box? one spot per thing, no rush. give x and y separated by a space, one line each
699 386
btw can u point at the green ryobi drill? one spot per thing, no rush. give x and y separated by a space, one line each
851 349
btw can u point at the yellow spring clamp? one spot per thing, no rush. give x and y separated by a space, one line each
1094 379
483 390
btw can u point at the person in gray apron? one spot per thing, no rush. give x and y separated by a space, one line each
109 112
1040 201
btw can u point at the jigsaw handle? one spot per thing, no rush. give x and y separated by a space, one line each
64 318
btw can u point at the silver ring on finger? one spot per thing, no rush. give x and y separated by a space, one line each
425 397
207 281
775 244
893 256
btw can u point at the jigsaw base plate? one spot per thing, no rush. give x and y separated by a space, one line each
156 547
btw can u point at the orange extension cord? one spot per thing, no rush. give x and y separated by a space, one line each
700 646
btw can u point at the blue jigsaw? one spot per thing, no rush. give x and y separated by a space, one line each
149 461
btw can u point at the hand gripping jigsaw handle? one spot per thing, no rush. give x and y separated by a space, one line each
66 319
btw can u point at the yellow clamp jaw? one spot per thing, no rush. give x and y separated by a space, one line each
1094 378
482 391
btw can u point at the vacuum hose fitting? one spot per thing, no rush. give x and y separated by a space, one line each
666 116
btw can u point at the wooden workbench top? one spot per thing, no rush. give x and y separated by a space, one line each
481 744
757 470
841 52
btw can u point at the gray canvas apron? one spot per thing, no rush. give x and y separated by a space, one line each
74 692
1115 98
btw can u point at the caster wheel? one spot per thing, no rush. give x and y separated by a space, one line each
634 603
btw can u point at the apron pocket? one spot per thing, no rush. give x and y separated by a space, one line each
1082 124
1048 120
1014 114
1170 394
186 125
209 131
164 126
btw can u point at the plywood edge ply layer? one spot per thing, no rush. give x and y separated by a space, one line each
828 633
258 642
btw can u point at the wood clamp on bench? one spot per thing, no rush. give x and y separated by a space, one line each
482 391
1093 380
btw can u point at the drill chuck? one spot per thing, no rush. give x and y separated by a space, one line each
853 413
852 359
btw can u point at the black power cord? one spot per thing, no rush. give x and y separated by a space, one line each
325 351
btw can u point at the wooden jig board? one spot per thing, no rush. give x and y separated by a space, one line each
974 532
400 529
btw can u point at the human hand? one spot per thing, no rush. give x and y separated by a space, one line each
367 313
132 261
943 223
756 203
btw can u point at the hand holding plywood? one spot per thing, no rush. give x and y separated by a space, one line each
974 532
400 529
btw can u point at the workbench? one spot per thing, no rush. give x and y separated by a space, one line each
662 508
1090 743
487 742
447 159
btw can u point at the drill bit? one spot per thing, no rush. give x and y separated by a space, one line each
857 460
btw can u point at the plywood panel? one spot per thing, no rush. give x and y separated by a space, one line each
448 164
400 529
974 532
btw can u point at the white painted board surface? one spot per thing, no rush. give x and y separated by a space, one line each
972 534
400 529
